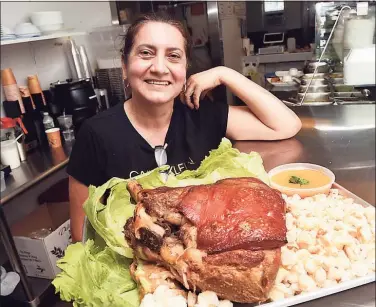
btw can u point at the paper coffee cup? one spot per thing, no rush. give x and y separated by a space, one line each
53 136
7 77
58 155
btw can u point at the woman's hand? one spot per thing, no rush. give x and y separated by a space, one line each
198 85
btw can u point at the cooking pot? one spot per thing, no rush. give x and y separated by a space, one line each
74 97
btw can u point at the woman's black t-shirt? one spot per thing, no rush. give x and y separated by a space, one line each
109 146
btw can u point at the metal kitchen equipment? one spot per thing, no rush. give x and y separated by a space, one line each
302 97
76 98
111 79
274 43
74 59
345 32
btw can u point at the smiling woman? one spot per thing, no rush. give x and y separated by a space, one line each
167 114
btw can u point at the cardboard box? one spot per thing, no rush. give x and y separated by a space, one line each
39 256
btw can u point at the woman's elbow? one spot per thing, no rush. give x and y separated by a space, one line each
290 130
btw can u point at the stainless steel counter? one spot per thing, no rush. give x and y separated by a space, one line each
341 138
40 163
33 173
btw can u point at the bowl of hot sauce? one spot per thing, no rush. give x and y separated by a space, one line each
304 179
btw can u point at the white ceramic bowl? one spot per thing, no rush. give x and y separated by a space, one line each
26 28
46 18
301 191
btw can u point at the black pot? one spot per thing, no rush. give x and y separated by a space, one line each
76 98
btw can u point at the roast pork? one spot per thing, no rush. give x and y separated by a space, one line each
223 237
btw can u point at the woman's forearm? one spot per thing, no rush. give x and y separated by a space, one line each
265 106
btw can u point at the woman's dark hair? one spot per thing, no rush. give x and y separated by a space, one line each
154 17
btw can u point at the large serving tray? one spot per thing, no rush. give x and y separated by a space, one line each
89 233
302 298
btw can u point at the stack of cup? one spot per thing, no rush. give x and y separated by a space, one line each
66 124
36 91
25 94
10 87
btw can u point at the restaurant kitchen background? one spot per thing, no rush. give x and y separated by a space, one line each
57 74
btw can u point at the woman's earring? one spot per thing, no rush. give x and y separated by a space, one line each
126 88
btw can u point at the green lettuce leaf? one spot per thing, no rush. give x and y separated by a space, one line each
95 278
108 216
225 162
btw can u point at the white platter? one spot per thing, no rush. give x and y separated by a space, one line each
302 298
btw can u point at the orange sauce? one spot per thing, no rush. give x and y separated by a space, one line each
316 178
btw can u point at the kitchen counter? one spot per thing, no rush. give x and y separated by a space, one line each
34 174
40 163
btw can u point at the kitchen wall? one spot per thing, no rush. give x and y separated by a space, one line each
47 58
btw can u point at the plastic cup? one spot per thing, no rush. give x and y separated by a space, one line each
53 136
65 121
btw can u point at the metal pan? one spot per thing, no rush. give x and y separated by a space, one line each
318 81
314 97
315 76
337 80
320 88
321 67
343 88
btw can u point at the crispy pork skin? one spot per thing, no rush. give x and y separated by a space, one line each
224 237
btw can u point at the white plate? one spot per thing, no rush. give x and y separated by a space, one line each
302 298
5 37
281 73
28 35
281 83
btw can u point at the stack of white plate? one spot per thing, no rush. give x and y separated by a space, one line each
6 33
